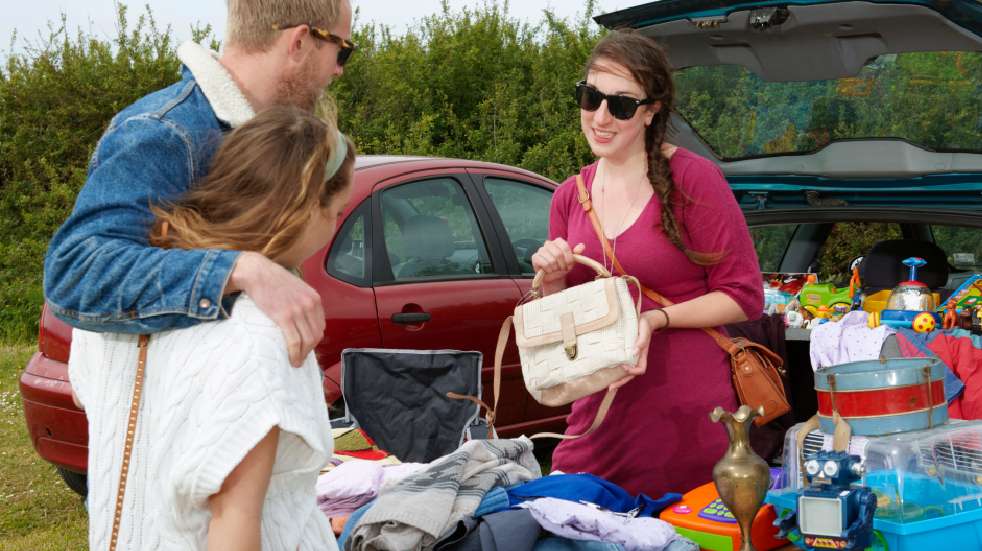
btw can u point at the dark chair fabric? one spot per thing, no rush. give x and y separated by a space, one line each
399 398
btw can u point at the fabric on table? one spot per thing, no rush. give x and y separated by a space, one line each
348 486
352 522
494 501
514 530
961 352
846 340
658 417
587 522
591 488
414 513
556 543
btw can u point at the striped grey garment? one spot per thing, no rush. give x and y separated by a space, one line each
414 513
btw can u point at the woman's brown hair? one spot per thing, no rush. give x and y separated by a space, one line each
645 59
265 182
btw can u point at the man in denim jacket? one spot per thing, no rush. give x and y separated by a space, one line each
100 272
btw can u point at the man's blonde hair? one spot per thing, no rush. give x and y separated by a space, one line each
251 22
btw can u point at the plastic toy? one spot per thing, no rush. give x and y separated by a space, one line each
924 322
702 518
780 289
815 295
928 484
907 301
966 298
831 512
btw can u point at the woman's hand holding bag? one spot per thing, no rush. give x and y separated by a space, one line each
576 341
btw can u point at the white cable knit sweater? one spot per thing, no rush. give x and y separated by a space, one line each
211 392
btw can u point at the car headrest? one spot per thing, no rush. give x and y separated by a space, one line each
882 267
427 238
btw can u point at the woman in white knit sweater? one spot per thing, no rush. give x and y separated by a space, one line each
230 438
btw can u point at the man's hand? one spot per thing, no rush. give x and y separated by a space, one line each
292 304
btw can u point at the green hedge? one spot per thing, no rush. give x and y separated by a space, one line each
474 84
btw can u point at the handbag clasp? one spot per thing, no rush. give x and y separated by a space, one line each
570 351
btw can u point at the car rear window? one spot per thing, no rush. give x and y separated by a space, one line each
931 99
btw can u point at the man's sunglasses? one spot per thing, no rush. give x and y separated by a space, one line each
347 47
621 107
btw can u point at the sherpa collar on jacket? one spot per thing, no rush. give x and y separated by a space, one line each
216 83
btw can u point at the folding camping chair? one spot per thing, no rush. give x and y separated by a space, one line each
400 399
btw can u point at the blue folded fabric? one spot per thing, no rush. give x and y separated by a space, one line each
587 487
494 501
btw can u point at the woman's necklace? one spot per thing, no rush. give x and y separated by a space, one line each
620 227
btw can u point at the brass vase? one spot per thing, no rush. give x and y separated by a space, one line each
741 476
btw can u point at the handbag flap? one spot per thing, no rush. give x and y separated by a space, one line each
593 306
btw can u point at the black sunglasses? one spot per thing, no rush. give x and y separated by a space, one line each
346 47
621 107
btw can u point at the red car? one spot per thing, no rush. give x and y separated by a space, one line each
431 254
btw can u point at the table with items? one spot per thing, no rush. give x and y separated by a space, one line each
891 459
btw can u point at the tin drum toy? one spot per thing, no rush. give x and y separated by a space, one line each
879 397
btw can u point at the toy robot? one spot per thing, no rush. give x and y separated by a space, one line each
832 513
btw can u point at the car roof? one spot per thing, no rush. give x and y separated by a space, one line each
370 170
400 164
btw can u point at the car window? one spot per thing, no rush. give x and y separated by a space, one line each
963 246
348 260
771 242
848 241
430 231
930 99
524 211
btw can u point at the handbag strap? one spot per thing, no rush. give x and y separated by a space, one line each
584 198
128 444
499 354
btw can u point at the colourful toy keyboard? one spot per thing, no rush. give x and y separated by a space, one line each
717 511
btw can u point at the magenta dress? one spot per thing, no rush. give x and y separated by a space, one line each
657 437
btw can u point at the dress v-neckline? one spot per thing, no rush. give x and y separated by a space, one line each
627 227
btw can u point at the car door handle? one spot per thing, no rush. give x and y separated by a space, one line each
411 318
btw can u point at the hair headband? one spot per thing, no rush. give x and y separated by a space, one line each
337 157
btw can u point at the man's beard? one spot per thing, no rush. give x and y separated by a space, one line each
296 90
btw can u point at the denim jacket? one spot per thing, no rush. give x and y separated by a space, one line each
100 272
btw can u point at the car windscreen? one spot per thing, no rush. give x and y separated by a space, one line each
930 99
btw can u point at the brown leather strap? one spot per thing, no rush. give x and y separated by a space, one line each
584 199
499 354
128 444
597 420
489 413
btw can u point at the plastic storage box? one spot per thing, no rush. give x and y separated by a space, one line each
928 484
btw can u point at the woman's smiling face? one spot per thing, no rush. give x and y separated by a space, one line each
608 136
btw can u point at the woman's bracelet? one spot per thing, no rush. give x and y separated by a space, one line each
668 321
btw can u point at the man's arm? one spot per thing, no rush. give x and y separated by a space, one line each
101 274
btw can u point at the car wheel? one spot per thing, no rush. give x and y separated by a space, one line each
78 482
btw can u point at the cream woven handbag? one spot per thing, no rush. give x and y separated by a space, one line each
573 343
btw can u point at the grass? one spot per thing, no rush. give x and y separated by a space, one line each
37 511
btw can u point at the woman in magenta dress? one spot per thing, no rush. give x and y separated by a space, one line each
673 222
